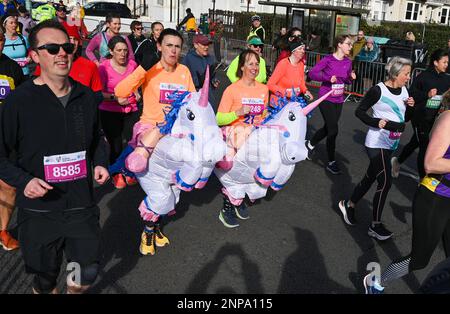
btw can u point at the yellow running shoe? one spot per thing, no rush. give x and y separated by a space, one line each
160 239
147 243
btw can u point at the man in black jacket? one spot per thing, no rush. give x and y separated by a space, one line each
52 124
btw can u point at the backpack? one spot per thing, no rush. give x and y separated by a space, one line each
137 48
21 39
103 49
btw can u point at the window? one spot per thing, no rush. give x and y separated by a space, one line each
375 15
412 11
444 16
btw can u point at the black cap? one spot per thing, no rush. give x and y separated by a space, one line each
61 8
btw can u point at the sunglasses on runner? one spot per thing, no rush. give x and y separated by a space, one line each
53 49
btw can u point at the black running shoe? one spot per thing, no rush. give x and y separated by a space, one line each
333 167
241 211
379 232
227 215
348 213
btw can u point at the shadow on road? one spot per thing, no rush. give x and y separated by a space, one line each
249 271
120 240
304 271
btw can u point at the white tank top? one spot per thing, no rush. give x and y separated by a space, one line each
392 108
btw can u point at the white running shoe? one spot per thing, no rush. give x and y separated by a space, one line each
372 285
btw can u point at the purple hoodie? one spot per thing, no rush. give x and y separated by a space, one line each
325 69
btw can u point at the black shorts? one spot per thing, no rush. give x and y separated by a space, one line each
43 237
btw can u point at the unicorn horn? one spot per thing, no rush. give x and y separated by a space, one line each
205 90
315 103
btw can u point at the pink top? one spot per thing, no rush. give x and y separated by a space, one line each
110 78
100 43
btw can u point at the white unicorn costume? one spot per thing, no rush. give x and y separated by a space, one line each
269 155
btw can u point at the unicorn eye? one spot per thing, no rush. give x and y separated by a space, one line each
291 116
190 115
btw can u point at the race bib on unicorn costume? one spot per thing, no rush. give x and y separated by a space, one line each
256 105
66 167
167 89
338 89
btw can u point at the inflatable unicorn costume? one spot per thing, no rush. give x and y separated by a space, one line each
268 157
182 160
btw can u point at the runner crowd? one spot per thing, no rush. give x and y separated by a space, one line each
60 108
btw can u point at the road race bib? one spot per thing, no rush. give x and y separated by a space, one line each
434 102
166 90
395 135
22 62
256 105
5 88
66 167
338 89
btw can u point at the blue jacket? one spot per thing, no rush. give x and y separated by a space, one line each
3 9
197 66
369 55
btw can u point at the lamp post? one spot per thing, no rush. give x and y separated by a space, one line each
178 12
214 10
248 5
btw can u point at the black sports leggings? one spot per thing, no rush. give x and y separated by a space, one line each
431 222
331 113
118 127
419 139
380 170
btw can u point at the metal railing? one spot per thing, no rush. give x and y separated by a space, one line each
368 74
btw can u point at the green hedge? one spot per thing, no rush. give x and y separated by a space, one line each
436 36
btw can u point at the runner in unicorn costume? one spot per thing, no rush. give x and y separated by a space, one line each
183 159
268 156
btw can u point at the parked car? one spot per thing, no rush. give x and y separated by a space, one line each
98 8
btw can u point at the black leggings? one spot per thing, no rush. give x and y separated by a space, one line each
118 127
331 113
380 170
419 139
431 222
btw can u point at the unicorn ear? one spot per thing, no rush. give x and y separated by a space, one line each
315 103
205 90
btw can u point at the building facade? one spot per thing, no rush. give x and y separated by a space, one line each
418 11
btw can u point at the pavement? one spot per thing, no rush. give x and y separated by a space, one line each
294 242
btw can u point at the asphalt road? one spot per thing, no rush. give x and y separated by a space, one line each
294 242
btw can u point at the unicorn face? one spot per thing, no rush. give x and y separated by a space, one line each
292 122
194 120
192 117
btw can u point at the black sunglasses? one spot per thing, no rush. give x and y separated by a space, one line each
53 49
258 46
